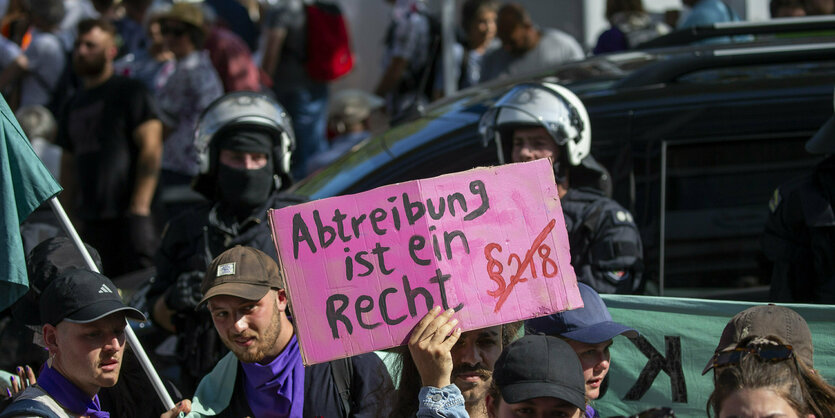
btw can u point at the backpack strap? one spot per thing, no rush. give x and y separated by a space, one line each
28 408
342 371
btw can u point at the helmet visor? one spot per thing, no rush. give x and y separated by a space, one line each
529 105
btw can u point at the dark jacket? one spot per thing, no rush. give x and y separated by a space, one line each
606 250
189 243
370 390
800 238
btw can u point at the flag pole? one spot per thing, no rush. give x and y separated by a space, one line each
132 339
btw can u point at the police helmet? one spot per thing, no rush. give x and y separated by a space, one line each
242 110
824 140
549 105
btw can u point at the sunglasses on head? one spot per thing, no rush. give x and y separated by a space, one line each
768 353
173 30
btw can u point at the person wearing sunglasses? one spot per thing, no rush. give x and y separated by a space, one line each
186 87
763 321
764 377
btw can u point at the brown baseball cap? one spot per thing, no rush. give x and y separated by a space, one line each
766 321
241 271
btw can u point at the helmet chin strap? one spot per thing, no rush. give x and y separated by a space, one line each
561 168
277 181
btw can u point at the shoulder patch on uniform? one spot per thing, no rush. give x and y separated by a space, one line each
623 216
775 200
616 276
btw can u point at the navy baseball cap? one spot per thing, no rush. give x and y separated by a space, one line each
82 296
591 324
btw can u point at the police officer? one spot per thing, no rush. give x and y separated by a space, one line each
800 231
244 142
544 120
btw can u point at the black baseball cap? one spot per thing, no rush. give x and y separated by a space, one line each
48 260
591 324
82 296
540 366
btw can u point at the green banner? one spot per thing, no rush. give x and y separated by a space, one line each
24 185
664 367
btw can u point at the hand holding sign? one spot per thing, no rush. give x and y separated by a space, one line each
431 347
362 270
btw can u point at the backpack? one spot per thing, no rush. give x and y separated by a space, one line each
342 372
27 408
328 44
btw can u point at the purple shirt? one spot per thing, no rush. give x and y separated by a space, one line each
69 395
271 389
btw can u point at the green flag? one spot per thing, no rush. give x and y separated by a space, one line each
678 336
24 185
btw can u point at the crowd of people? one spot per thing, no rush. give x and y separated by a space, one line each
149 101
555 365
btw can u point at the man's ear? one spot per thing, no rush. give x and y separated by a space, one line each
489 404
50 337
112 52
281 297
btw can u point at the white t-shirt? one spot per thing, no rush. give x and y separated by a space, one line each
555 47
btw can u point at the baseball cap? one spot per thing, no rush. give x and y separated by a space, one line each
767 321
591 324
48 260
82 296
241 271
537 366
354 106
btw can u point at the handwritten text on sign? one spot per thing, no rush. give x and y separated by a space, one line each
363 269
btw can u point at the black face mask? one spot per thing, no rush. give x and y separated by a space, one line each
242 190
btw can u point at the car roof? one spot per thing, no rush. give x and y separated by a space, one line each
750 63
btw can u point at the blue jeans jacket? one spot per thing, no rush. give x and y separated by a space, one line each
446 402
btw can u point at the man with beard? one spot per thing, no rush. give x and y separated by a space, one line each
263 376
473 355
244 142
526 47
112 143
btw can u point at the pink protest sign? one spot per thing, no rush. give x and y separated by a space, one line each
363 269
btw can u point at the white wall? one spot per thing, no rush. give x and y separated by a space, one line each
583 19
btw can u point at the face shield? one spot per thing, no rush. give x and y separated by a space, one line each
550 106
245 109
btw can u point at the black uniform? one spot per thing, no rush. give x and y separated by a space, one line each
189 244
800 238
606 250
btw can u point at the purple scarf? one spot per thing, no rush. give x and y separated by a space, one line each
276 389
69 395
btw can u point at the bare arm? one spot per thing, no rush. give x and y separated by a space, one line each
392 76
14 71
162 315
148 137
272 50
